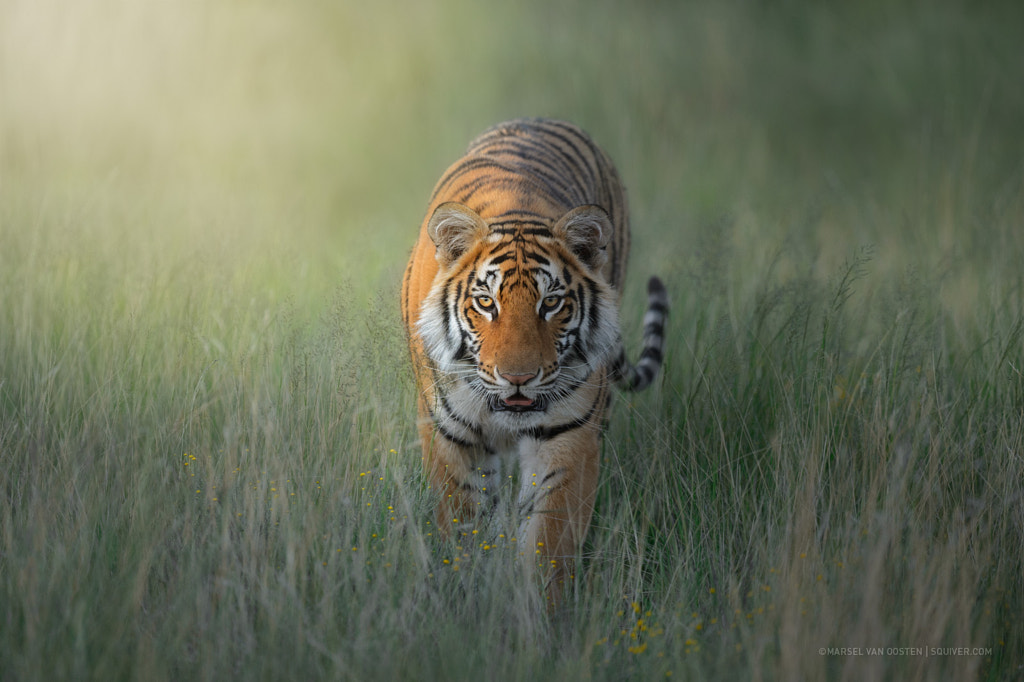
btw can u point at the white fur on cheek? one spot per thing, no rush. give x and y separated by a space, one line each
603 341
439 345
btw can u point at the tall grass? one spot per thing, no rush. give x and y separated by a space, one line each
208 465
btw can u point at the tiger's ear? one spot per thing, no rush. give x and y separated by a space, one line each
586 230
454 228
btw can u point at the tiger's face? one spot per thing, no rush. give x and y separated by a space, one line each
521 314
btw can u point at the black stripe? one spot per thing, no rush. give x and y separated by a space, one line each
522 176
452 437
467 188
592 310
540 219
445 433
541 160
458 418
535 255
540 231
549 432
585 160
445 319
651 353
641 378
462 167
539 168
542 152
405 295
552 474
458 294
499 259
502 223
526 506
600 183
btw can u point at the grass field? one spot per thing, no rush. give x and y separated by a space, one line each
208 466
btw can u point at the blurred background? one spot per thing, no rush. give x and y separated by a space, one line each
303 139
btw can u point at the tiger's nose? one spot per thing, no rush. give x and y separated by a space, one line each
517 379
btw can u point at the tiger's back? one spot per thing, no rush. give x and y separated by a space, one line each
510 302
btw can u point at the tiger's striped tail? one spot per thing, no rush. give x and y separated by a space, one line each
639 376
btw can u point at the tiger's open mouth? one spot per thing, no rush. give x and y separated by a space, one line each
517 402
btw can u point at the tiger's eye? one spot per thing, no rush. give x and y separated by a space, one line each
552 301
485 302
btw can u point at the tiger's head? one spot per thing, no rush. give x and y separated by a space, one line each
521 313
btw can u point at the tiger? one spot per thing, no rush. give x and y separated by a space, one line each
510 305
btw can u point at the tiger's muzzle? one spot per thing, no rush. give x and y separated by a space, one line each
517 403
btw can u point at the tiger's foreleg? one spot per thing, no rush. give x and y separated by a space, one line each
556 501
465 475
